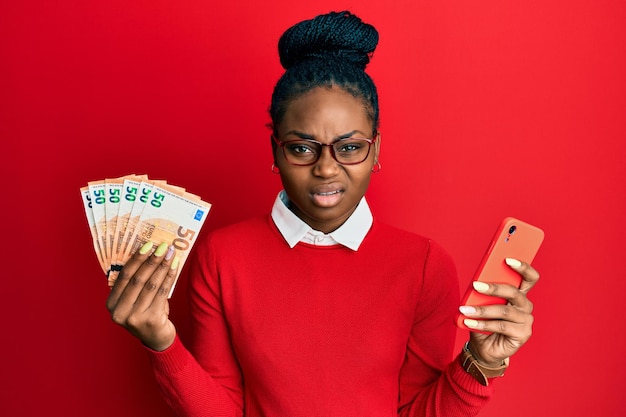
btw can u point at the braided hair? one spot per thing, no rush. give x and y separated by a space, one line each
329 50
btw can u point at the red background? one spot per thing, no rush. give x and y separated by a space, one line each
488 109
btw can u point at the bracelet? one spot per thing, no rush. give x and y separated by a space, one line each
480 372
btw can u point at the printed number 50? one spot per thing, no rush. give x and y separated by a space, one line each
180 243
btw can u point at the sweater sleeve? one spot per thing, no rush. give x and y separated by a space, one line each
431 384
203 379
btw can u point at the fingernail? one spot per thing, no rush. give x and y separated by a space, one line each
471 323
170 253
175 263
146 247
513 263
478 286
161 249
467 310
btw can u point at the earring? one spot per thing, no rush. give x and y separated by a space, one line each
376 168
275 169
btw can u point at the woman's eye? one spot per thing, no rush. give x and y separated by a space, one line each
348 147
300 148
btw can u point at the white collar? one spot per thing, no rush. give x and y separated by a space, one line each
294 230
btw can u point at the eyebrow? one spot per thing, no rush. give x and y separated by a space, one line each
303 135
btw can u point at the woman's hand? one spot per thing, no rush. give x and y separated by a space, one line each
139 299
509 325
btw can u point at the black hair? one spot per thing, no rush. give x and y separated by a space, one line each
329 50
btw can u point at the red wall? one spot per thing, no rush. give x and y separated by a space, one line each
489 109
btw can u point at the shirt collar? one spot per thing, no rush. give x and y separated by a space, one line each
294 230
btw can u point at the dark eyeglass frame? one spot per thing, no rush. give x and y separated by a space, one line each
281 144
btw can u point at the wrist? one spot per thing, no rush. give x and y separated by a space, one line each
479 359
159 345
480 371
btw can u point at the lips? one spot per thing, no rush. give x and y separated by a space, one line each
327 196
329 193
327 189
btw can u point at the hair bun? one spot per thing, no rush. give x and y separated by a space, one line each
339 35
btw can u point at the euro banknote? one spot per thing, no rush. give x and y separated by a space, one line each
124 213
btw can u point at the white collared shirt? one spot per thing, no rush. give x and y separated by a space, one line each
294 230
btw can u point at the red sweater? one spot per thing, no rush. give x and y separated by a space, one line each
319 331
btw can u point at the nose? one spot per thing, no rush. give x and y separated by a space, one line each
326 165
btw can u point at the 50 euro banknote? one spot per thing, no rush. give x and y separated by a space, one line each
124 213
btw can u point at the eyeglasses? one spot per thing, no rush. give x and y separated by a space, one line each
348 151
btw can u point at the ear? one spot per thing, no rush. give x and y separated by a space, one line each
273 143
273 133
377 146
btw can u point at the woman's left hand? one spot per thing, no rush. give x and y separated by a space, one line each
508 326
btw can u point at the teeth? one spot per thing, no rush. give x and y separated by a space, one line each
330 193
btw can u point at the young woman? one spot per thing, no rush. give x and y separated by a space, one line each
318 309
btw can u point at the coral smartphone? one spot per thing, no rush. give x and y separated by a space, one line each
513 239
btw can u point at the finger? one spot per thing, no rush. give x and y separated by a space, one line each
135 283
517 333
163 294
530 276
156 290
512 295
127 272
496 312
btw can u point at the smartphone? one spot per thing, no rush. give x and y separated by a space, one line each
513 239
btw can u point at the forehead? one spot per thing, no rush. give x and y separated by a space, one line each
326 111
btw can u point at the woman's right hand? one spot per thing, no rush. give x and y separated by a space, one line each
139 299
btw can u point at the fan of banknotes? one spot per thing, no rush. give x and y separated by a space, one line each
126 212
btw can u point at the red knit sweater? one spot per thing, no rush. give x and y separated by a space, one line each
319 331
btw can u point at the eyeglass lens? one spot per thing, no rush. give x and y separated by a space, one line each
345 151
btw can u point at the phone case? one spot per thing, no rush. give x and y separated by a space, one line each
513 239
